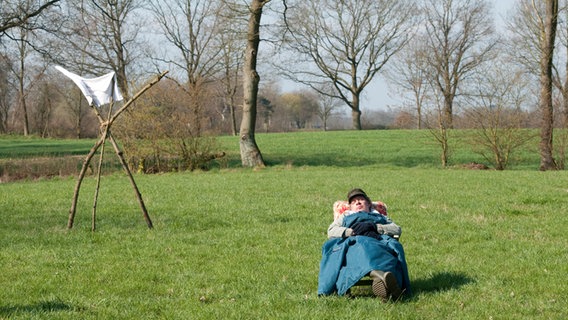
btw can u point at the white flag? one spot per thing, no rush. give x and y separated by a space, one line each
98 91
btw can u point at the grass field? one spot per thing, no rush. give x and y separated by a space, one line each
245 244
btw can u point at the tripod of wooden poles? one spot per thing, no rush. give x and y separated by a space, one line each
105 126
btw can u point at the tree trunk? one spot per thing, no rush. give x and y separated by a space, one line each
121 79
21 87
547 45
356 113
250 153
233 119
443 139
419 120
24 110
448 111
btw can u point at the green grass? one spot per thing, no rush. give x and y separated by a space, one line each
26 147
399 148
245 244
390 148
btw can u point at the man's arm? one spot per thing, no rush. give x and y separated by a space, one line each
336 230
390 229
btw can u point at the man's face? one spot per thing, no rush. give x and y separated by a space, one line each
359 203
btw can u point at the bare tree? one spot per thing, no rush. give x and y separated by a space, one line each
98 36
232 38
548 37
409 72
23 74
23 29
560 81
76 109
192 28
250 153
17 13
232 55
458 36
346 42
101 36
327 106
524 32
533 44
5 92
496 113
561 74
437 126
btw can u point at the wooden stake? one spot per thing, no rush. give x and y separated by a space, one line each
105 129
136 191
79 181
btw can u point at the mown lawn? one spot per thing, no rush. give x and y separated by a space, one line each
245 244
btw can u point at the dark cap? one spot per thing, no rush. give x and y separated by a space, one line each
357 192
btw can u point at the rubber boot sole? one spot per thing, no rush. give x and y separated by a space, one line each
385 285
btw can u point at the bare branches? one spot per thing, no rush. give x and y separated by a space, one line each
12 16
458 40
346 42
192 29
103 36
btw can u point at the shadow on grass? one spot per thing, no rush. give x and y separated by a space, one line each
41 307
442 281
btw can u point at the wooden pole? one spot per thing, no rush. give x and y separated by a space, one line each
96 196
120 155
104 132
105 128
79 181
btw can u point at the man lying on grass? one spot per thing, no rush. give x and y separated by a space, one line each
362 242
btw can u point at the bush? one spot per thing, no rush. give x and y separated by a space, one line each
158 137
167 155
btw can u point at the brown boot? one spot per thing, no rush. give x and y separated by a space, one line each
385 285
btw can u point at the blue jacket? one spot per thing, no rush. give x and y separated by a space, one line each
346 260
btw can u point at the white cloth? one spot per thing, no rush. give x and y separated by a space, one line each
98 91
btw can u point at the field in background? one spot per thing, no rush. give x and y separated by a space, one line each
237 243
33 158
